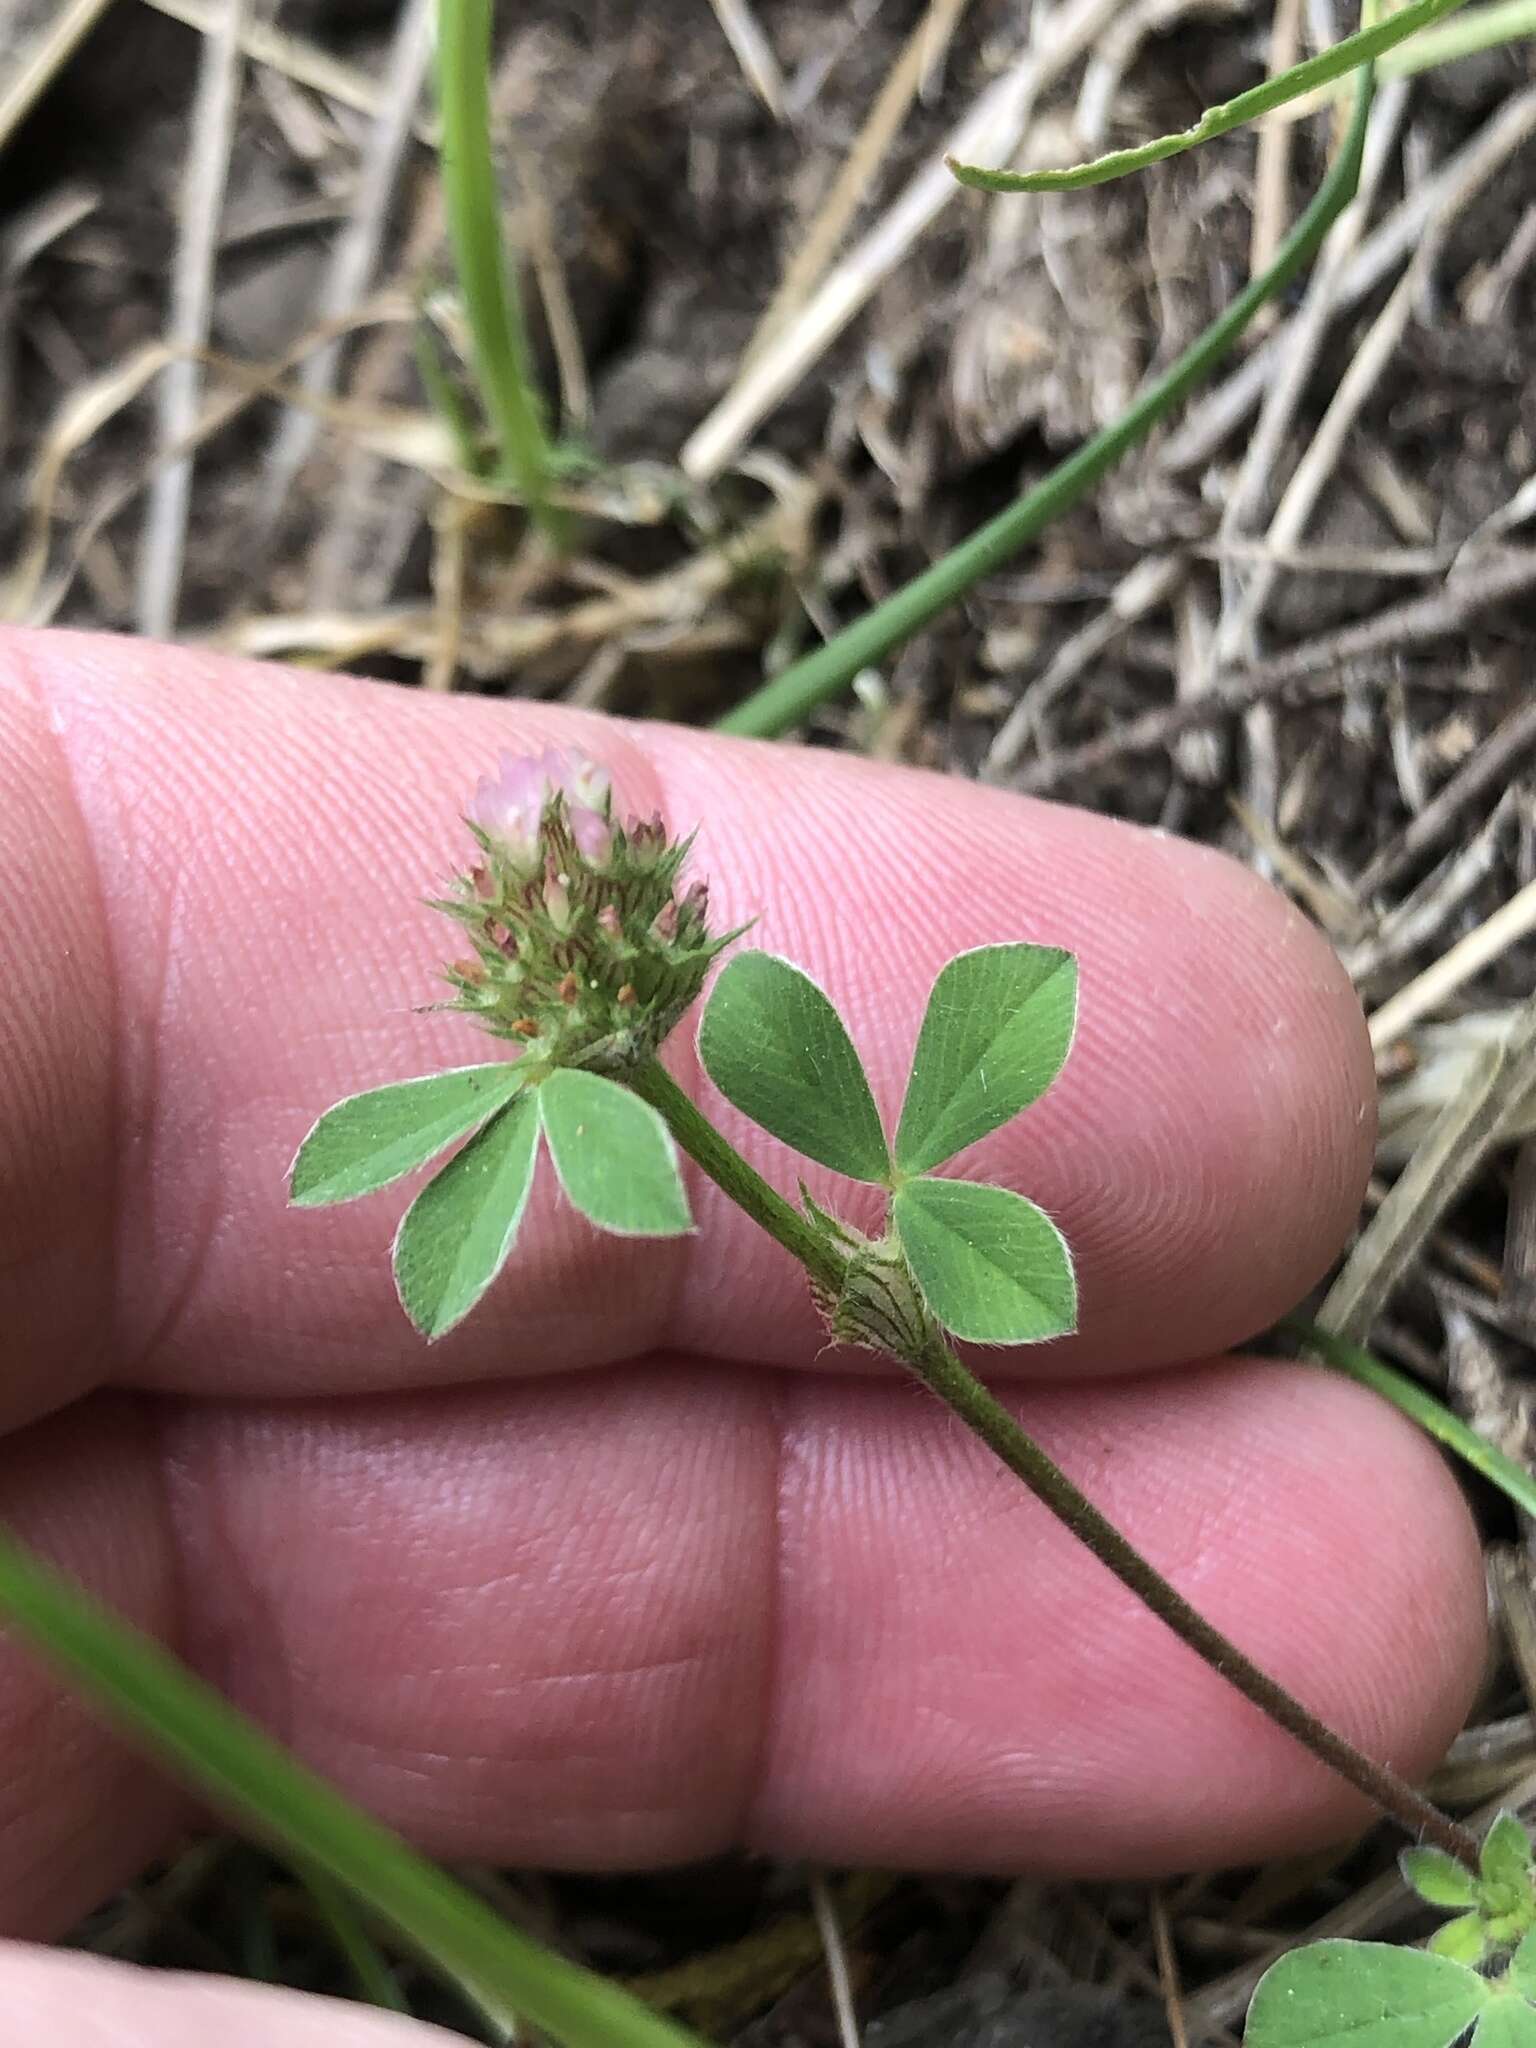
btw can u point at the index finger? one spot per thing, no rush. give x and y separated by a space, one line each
212 920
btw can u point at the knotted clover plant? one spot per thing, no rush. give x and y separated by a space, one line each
586 949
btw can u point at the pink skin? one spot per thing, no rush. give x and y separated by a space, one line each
730 1587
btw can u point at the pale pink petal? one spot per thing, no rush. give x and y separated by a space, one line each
509 805
592 833
583 780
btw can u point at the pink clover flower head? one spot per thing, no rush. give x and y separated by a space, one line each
587 946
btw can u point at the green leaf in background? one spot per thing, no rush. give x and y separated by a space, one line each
456 1235
993 1268
614 1155
1438 1878
1521 1974
370 1140
1505 1862
1464 1940
1364 1994
998 1027
774 1046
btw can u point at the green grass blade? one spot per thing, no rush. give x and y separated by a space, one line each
446 399
342 1921
1480 28
1312 73
792 696
277 1801
472 201
1420 1407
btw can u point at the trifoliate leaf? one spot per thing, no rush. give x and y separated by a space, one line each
998 1027
991 1266
456 1235
614 1155
1364 1994
775 1047
370 1140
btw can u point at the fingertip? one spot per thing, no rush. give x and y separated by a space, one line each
57 1067
1016 1709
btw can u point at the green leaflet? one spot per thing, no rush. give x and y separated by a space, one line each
614 1155
456 1235
1507 2023
1438 1878
1364 1994
1505 1860
370 1140
998 1026
992 1267
1521 1975
775 1047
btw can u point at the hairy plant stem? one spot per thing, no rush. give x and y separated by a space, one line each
945 1375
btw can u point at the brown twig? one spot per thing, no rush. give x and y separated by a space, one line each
1314 667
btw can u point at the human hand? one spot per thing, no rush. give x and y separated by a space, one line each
718 1587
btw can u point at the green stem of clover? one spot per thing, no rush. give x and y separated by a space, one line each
944 1374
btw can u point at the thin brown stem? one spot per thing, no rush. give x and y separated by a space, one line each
960 1390
944 1374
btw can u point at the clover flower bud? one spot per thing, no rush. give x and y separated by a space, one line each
586 951
509 806
557 895
592 833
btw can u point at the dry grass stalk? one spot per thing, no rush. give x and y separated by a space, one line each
1477 1119
1449 974
295 58
42 56
1272 163
823 237
753 52
207 168
991 132
355 255
1217 415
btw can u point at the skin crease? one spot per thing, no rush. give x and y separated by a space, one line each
722 1585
